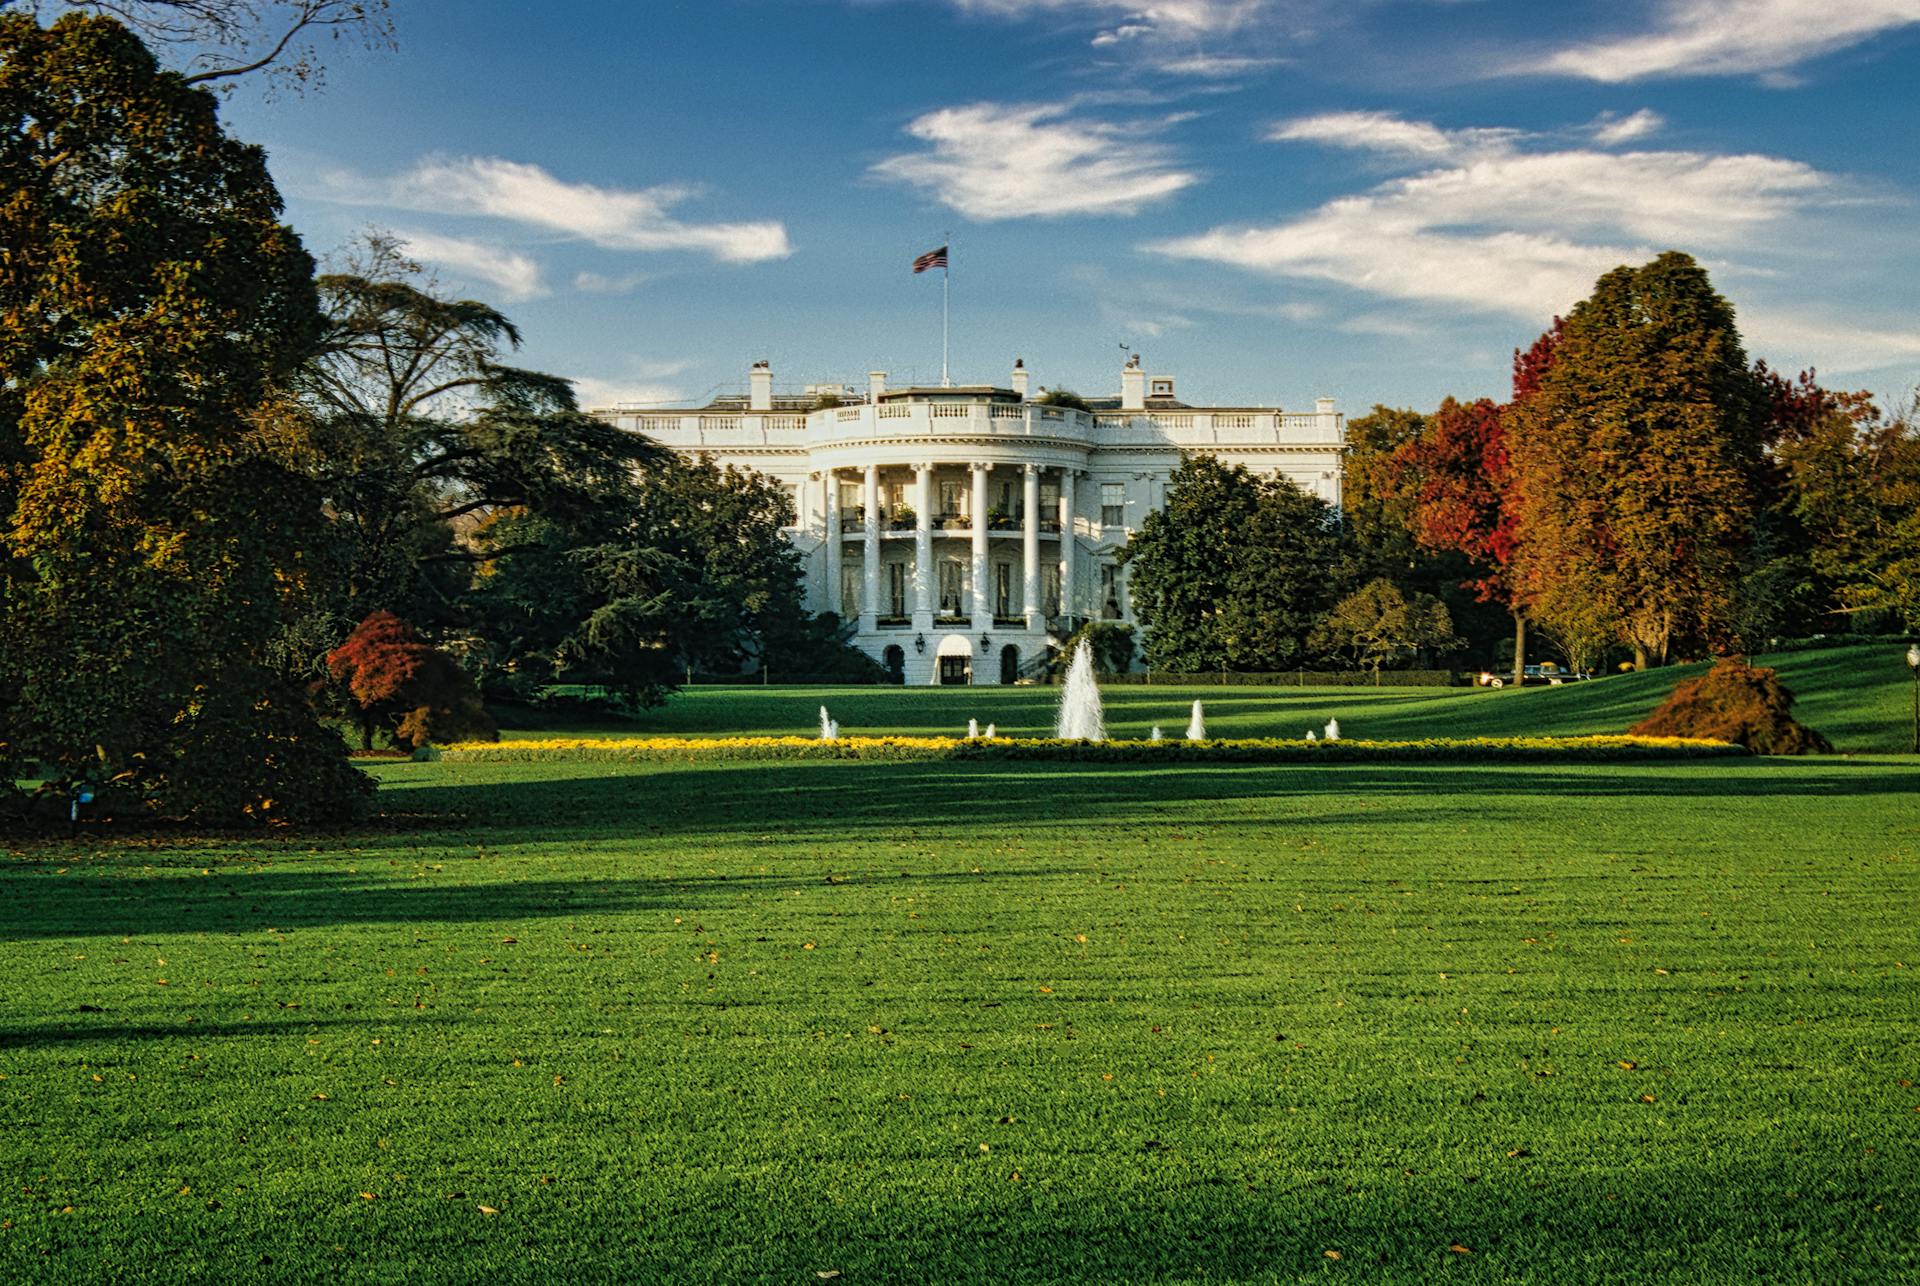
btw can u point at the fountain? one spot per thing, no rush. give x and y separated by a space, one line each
1333 730
1197 726
829 730
1081 718
1310 736
992 732
973 730
1156 734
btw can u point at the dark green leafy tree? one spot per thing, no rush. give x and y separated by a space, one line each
1379 490
1234 571
150 299
1380 626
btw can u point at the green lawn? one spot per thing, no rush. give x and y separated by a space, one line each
1861 697
954 1021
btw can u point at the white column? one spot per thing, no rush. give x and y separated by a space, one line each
870 499
1067 480
923 547
982 603
833 541
1030 548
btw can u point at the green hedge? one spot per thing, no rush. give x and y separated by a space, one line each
1291 679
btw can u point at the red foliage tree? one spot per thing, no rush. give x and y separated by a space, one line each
1735 702
396 679
1463 502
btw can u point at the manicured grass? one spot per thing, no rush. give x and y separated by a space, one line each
1860 697
976 1021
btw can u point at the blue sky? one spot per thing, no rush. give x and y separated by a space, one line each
1376 200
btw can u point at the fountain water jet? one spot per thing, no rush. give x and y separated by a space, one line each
829 730
1310 736
1081 717
1333 730
973 730
991 732
1197 726
1156 734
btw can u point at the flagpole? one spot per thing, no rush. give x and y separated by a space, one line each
946 291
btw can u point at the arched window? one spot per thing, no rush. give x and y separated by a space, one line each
1009 663
895 659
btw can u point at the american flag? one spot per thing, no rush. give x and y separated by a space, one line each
931 259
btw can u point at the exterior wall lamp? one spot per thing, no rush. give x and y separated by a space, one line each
985 642
1913 663
919 642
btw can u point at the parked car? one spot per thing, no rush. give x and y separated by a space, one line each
1546 672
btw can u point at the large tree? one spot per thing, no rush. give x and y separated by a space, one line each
221 39
420 429
149 300
1635 459
1234 571
1378 491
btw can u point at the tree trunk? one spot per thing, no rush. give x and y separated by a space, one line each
366 733
1639 655
1519 649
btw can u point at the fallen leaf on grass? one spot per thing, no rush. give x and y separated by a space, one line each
826 1274
366 1196
1331 1254
1459 1249
1627 1064
488 1210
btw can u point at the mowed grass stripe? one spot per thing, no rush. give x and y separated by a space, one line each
758 1021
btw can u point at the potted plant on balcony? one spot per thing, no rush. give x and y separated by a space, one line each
998 519
903 517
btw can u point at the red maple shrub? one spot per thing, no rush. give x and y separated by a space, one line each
397 682
1735 702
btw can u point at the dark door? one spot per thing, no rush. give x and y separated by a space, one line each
1009 663
896 664
953 669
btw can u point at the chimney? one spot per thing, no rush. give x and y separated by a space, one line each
1020 377
1133 386
760 387
1323 406
876 385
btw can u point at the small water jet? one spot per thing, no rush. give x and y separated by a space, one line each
1333 730
1310 736
992 732
1081 717
829 730
1156 734
973 730
1197 726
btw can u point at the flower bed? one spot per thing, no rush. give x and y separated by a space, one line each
1247 751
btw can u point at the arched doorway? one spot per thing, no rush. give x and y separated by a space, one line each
1009 663
895 659
953 661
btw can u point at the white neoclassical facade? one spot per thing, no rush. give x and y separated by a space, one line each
961 531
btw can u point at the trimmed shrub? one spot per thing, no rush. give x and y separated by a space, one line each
1735 702
1291 678
239 758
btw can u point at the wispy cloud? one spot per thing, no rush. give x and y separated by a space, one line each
1008 161
1727 38
1612 131
517 276
632 219
643 383
1139 17
1214 66
1393 135
1499 229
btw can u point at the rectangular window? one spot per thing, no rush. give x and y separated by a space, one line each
1050 590
896 589
950 579
953 500
849 591
851 496
1113 504
1009 502
1109 591
1003 589
1049 499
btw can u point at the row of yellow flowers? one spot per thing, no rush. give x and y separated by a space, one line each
1225 750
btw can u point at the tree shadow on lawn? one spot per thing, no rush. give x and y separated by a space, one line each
781 800
301 895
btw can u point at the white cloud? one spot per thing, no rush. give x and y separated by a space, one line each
1174 17
1612 131
517 276
1497 229
1214 66
614 218
1390 134
1001 161
1790 342
1729 37
595 283
596 393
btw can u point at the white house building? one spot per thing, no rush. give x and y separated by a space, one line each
960 531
